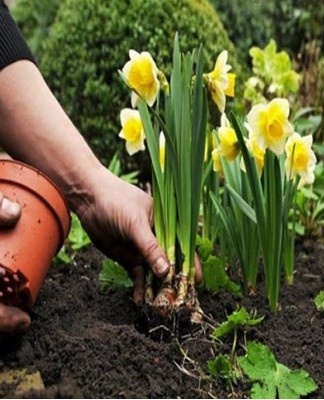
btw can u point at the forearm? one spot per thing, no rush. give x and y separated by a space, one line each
35 129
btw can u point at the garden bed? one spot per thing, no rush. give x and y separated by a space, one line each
86 343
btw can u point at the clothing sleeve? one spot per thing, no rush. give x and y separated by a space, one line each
12 44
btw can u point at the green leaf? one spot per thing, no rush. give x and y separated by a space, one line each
293 384
78 237
63 256
244 206
216 278
204 247
219 367
113 275
272 379
274 70
319 301
239 318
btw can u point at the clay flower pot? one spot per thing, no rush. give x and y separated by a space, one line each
27 249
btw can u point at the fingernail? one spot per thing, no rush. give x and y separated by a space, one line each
161 267
10 207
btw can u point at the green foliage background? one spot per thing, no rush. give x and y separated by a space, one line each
35 19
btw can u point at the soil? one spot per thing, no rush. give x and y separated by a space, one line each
94 344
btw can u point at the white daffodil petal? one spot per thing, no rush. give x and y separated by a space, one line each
134 99
127 113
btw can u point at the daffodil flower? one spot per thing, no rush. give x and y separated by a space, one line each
217 164
300 159
141 75
230 89
132 130
256 152
228 143
270 124
219 82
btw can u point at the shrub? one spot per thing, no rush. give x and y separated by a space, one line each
34 19
89 41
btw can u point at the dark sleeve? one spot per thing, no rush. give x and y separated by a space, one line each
12 44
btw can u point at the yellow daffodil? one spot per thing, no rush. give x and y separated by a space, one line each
220 82
162 150
257 153
230 89
255 150
141 75
132 130
228 143
300 159
217 164
270 125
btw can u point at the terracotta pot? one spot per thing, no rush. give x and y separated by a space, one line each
27 249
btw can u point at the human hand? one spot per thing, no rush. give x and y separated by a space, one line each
119 223
12 319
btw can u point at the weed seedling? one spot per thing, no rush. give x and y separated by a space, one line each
270 379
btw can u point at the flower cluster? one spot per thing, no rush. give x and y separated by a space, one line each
145 81
141 75
268 127
261 159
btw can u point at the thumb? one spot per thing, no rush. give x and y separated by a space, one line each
151 251
13 319
9 212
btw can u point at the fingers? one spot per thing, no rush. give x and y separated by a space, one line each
153 254
13 320
139 285
9 212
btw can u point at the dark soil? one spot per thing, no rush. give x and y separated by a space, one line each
87 343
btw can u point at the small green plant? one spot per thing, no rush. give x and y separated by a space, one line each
77 240
240 318
270 379
273 75
113 275
221 367
225 366
319 301
215 276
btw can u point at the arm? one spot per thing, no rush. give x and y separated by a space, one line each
117 216
35 129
